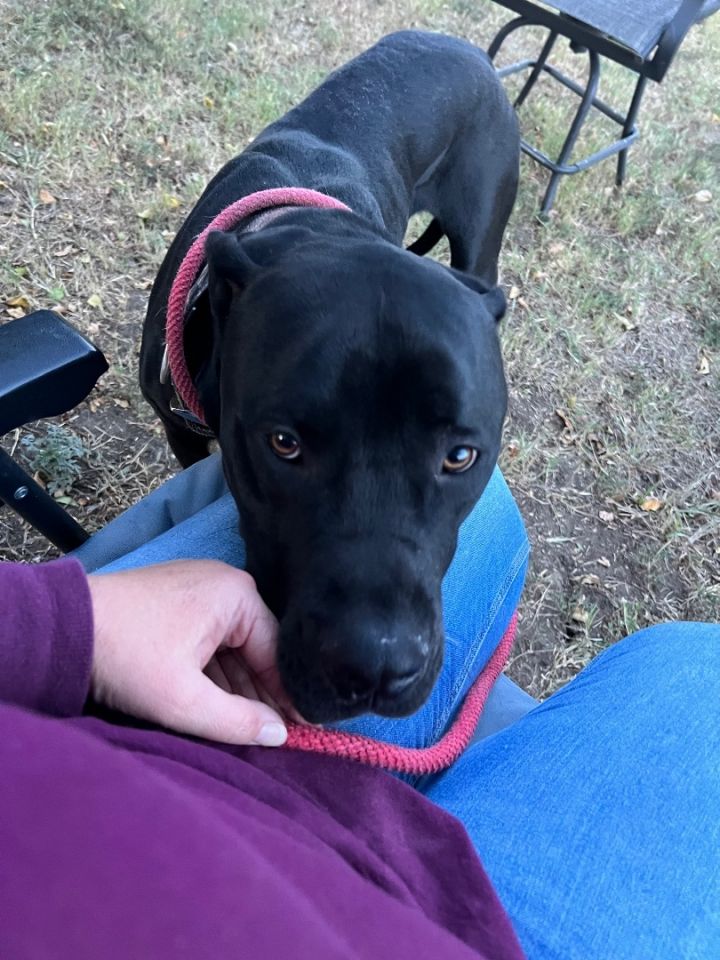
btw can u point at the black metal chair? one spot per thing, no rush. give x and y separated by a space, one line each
46 368
642 35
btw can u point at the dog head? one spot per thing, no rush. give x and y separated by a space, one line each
358 395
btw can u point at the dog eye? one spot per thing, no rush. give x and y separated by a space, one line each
284 445
459 459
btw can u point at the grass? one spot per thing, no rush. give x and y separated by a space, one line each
113 116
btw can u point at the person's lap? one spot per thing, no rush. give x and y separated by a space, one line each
195 517
596 814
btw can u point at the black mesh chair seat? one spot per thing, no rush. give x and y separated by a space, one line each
637 25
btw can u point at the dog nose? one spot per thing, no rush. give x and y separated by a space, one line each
369 661
371 680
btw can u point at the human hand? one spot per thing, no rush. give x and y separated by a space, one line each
189 645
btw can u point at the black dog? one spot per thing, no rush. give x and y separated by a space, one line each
356 389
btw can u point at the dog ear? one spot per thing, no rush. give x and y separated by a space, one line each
230 269
493 297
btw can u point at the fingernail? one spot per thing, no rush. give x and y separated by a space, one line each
271 735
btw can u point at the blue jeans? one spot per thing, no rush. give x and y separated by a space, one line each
194 516
597 813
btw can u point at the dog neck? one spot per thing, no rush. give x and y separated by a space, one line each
259 209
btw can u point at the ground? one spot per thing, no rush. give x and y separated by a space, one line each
113 116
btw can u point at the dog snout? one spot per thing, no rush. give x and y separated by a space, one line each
365 638
367 660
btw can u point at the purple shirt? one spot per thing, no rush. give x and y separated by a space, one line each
123 842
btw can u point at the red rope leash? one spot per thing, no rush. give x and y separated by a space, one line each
192 264
335 743
414 760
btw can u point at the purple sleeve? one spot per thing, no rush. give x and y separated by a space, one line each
46 636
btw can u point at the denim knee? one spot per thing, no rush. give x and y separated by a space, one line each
678 649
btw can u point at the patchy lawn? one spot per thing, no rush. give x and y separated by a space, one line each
113 116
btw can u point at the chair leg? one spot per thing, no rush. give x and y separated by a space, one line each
629 127
22 494
537 69
575 128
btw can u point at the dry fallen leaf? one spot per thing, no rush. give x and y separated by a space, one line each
94 300
703 366
145 214
703 196
626 323
64 251
651 504
46 197
606 516
19 302
209 102
579 615
15 312
567 423
597 444
119 402
514 292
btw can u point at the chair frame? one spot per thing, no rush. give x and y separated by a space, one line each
22 494
45 389
586 39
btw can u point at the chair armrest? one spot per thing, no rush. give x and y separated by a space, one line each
46 368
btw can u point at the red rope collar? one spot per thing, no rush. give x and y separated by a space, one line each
192 264
415 760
